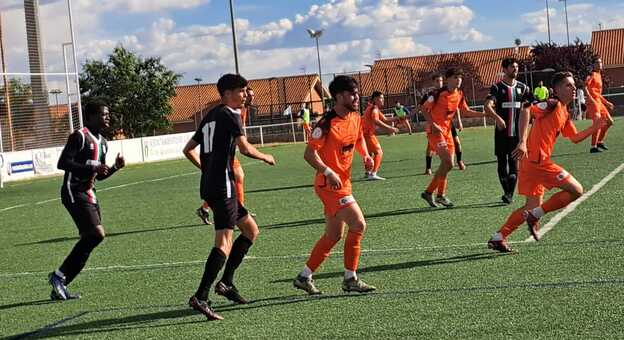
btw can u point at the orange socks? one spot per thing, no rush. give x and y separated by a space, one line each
352 250
320 252
602 134
513 222
433 185
558 201
442 183
377 159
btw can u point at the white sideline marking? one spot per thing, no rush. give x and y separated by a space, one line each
173 264
572 206
114 187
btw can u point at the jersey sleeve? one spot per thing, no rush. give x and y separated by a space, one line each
569 129
67 160
428 105
317 138
493 93
539 110
235 125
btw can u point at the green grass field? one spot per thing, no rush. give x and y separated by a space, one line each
434 274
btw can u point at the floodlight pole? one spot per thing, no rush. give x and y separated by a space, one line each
235 44
565 6
316 34
73 41
548 21
71 120
199 106
7 99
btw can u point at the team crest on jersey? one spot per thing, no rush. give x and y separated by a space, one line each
346 200
431 99
519 91
542 105
503 91
91 146
562 175
317 133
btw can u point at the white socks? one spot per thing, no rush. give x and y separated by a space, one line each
497 237
306 272
348 274
59 274
537 212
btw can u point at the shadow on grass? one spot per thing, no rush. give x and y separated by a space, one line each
398 212
121 233
408 265
27 303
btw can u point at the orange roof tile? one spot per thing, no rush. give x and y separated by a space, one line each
608 44
275 91
394 75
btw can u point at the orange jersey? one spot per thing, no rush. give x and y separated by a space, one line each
594 88
546 128
335 147
443 109
371 115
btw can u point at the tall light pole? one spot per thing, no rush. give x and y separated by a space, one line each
199 106
56 92
548 21
316 34
234 43
565 5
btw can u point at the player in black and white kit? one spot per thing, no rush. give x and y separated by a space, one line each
504 103
84 161
218 135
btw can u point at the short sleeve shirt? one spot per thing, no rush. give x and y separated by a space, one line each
216 136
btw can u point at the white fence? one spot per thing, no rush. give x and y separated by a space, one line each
42 162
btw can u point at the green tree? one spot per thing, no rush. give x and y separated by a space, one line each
138 91
577 58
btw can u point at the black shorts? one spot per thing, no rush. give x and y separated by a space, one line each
504 145
85 214
227 212
453 130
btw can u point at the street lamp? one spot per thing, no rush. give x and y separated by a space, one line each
548 21
56 92
199 106
565 5
316 34
234 43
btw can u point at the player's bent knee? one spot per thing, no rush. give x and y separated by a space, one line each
358 227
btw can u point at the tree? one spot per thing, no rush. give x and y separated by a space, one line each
577 58
138 91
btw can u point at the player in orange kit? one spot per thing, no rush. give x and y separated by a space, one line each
597 106
537 172
373 117
439 110
330 153
203 212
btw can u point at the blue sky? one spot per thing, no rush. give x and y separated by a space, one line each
193 38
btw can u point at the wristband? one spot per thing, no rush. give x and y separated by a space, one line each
328 171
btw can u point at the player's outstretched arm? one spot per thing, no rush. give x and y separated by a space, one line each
385 123
191 154
250 151
312 157
577 137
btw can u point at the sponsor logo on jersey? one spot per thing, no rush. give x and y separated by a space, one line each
562 175
317 133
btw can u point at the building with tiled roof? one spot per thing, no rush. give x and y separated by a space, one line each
609 45
272 97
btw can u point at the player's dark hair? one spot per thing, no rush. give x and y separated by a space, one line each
375 95
560 76
92 108
508 62
230 82
454 71
340 84
435 76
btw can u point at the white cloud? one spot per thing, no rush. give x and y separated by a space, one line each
264 33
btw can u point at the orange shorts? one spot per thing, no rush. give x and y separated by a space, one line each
333 201
236 163
307 127
441 140
372 144
535 178
597 111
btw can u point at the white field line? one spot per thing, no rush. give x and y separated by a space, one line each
114 187
572 206
282 257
